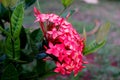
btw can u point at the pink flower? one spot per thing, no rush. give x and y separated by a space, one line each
64 43
60 68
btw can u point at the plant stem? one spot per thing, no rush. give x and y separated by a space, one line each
38 4
62 11
12 43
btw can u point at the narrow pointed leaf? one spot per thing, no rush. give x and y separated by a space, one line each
66 3
103 32
10 73
13 45
9 3
93 46
17 19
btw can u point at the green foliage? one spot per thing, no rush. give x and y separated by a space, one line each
40 68
100 39
31 43
21 50
16 20
103 32
13 48
9 3
37 35
93 46
13 44
67 3
10 73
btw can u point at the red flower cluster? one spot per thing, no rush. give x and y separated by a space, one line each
64 42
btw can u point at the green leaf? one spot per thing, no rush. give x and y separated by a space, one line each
10 73
34 48
32 43
13 44
67 3
9 3
103 32
36 35
93 46
16 20
13 48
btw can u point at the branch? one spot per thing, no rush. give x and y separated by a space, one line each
97 25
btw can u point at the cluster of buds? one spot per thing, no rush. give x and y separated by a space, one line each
64 43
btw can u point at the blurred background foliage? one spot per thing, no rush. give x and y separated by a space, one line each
103 64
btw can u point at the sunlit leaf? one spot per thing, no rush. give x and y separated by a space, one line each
66 3
93 46
13 44
10 73
17 19
103 32
9 3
